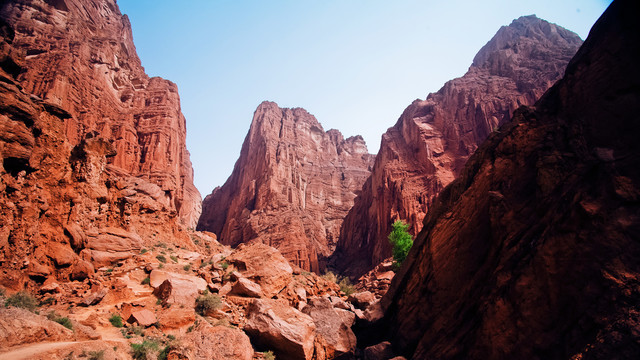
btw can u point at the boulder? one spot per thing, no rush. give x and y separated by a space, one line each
174 288
248 288
274 325
143 317
213 342
175 318
362 300
381 351
263 265
333 327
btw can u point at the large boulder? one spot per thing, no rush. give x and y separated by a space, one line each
263 265
334 336
20 326
213 342
274 325
174 288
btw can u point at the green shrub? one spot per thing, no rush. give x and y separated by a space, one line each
116 320
174 258
140 351
187 267
401 241
143 251
161 258
109 271
22 300
268 355
207 302
345 286
64 321
160 266
224 265
146 281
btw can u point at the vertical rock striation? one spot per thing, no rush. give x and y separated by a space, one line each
290 188
533 252
433 138
80 56
94 164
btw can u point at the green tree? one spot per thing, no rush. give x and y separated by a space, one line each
401 241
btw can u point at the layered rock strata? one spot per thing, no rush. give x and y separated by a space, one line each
94 165
433 138
290 188
533 252
80 57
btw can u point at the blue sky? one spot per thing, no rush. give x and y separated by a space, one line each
354 64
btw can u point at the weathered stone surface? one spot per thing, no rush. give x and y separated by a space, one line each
381 351
244 287
290 188
274 325
84 58
89 143
20 326
175 288
334 336
362 300
433 138
143 317
263 265
176 318
533 252
213 342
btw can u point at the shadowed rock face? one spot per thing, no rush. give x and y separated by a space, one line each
80 56
533 252
290 188
92 152
432 140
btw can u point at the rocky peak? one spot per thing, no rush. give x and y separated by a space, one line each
433 138
291 186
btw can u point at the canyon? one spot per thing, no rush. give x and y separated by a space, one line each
291 187
433 138
519 180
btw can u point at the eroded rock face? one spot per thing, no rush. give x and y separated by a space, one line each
533 252
290 188
93 159
80 57
433 138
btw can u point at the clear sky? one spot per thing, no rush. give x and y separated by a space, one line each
354 64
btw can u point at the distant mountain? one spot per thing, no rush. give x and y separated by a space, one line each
428 146
291 187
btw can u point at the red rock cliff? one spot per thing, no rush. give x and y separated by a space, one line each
94 165
80 56
290 188
433 138
533 252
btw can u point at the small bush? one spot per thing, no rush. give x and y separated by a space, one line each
401 241
116 320
207 302
140 351
268 355
164 353
143 251
96 355
109 271
174 258
329 276
22 300
2 292
161 245
346 287
187 267
224 265
160 266
64 321
161 258
146 281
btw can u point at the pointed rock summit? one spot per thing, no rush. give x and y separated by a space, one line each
533 252
290 188
433 138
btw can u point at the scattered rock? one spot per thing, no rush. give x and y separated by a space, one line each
334 336
248 288
263 265
274 325
381 351
213 342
